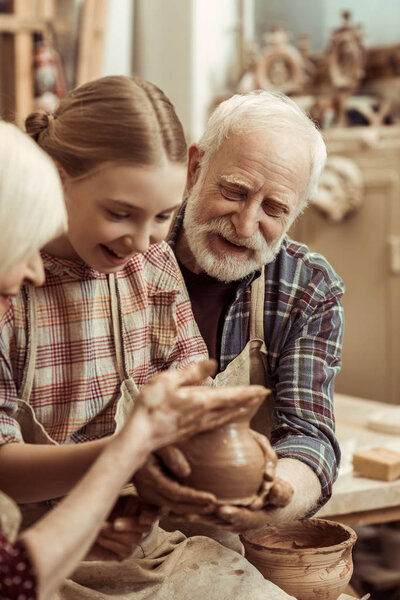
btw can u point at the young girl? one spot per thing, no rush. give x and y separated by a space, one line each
112 312
32 211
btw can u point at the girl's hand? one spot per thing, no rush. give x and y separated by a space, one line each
178 407
129 521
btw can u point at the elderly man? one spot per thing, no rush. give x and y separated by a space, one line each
268 308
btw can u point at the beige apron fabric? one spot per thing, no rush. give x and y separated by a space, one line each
250 366
165 566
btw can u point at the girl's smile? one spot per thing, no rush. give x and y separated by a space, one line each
118 211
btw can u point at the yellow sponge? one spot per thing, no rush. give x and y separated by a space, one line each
377 463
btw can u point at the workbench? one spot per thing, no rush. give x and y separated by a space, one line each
357 500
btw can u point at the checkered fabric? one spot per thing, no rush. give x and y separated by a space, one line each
76 383
303 329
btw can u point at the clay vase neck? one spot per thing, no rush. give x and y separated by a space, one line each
227 461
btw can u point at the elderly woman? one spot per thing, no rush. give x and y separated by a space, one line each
31 213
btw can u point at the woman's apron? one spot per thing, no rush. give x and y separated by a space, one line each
164 565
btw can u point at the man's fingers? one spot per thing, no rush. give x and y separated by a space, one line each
180 509
280 493
271 458
241 518
174 459
176 492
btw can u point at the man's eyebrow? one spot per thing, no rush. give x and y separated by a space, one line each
232 179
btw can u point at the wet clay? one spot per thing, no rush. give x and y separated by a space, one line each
314 534
311 560
228 462
224 477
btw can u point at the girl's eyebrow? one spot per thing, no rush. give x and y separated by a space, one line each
124 204
121 203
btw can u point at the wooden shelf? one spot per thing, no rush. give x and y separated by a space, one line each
16 32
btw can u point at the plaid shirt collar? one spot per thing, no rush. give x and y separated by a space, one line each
78 270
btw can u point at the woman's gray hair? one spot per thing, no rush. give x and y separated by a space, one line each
244 113
32 209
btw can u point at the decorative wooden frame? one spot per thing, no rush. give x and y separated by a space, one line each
346 55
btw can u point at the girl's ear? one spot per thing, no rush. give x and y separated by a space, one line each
193 171
62 173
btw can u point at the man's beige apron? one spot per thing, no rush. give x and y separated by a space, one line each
165 566
250 366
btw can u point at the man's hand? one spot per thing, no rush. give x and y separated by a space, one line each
182 502
128 522
156 487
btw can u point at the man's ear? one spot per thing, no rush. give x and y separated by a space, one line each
193 170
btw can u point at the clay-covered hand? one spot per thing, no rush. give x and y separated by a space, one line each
178 407
155 486
273 493
128 522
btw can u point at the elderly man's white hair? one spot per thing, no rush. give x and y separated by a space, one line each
257 110
32 209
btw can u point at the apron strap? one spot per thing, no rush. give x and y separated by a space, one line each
257 307
31 332
116 317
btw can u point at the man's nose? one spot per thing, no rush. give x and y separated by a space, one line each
246 220
35 270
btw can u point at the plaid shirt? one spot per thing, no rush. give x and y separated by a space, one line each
303 329
76 383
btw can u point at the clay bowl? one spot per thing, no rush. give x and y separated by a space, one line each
227 461
311 560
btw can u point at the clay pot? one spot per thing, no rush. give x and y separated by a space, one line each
227 461
311 560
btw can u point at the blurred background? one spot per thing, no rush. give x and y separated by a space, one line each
340 60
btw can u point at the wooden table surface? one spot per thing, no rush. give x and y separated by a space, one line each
357 500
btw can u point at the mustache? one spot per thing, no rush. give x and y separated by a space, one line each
224 227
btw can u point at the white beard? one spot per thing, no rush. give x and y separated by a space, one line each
224 266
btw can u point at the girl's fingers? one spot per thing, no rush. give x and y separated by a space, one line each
132 525
99 553
196 373
193 400
215 397
126 538
120 550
